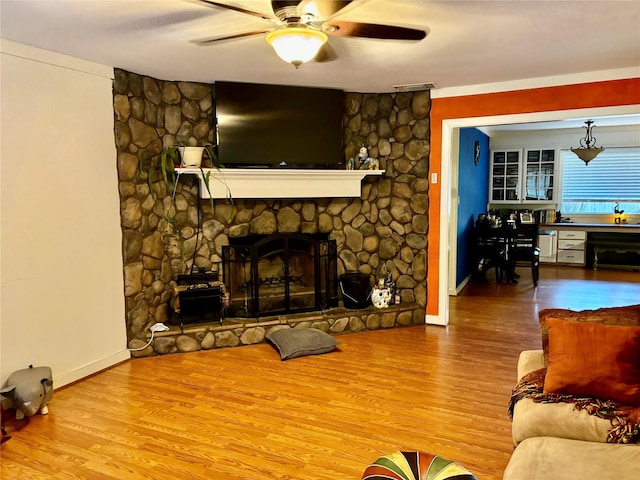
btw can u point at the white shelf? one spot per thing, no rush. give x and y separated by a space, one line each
280 183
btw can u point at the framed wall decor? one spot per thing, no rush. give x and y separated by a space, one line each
476 153
526 217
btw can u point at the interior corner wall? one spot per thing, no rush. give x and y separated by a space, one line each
61 275
473 194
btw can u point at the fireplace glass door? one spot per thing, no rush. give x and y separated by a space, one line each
280 274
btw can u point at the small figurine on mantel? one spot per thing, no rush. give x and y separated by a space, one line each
372 164
351 164
362 156
365 162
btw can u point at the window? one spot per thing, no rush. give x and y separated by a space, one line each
613 176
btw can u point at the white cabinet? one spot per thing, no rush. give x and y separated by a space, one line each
505 176
516 177
539 173
548 245
572 246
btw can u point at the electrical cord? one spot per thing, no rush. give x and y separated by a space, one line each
142 348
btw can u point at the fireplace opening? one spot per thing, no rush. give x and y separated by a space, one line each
280 274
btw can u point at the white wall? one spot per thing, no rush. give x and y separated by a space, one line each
62 302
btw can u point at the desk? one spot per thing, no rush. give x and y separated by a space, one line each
594 227
619 242
628 246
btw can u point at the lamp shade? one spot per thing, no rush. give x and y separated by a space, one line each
587 150
587 154
296 45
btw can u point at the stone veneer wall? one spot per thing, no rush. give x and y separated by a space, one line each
384 229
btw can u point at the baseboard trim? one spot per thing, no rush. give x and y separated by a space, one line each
435 320
90 369
455 291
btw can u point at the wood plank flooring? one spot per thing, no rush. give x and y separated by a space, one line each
241 413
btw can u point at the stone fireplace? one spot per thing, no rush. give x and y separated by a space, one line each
280 274
381 230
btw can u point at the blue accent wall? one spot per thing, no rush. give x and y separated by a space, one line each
473 189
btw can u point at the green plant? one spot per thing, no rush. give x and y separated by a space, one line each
165 166
171 154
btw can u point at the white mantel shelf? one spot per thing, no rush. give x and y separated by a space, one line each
281 183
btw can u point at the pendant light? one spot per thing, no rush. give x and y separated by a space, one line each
587 150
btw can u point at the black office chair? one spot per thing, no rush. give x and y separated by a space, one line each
524 251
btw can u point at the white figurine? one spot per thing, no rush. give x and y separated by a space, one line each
381 295
362 156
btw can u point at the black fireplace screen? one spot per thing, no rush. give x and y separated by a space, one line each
279 274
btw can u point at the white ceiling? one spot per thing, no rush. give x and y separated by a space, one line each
567 123
468 42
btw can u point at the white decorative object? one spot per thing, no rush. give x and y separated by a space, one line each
365 162
380 297
362 156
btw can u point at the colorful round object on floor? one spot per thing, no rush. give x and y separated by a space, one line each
415 466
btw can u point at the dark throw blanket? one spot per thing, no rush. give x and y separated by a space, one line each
625 420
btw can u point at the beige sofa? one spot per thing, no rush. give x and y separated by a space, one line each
557 441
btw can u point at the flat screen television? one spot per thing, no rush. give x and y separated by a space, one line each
275 126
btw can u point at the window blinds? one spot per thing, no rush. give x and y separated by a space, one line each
613 176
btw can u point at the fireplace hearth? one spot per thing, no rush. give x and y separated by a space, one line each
280 274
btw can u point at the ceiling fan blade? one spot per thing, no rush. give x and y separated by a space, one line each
238 9
325 54
322 9
210 40
371 30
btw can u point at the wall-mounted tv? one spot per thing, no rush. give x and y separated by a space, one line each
275 126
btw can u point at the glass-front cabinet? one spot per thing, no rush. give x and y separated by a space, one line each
505 176
539 170
522 175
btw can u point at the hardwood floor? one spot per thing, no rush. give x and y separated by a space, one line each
241 413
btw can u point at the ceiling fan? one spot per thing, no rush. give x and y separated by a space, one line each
300 28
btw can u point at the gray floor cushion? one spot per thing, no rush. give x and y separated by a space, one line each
299 342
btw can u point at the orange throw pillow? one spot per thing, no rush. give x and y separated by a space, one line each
594 360
628 316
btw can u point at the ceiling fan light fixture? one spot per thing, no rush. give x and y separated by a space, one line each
587 150
296 45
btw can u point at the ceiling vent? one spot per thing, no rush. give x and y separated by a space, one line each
414 87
